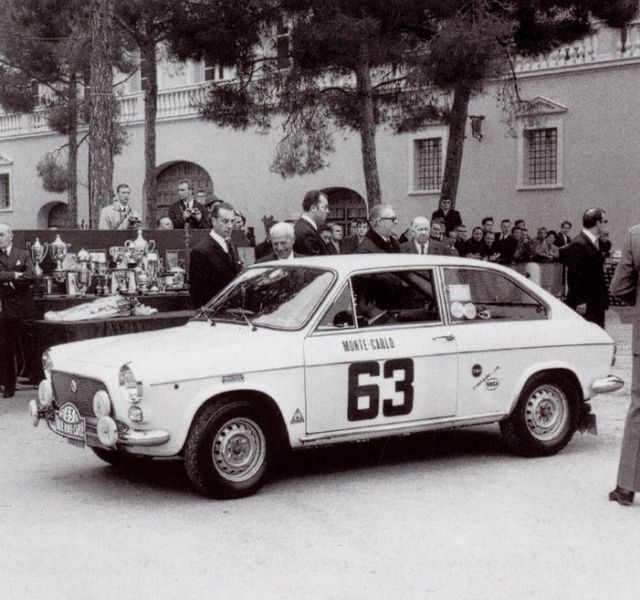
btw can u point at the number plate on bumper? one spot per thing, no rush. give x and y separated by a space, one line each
69 424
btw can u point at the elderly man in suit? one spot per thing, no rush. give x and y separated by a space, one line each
282 238
16 304
588 293
214 262
422 243
624 286
380 237
316 209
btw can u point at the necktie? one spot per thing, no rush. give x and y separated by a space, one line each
421 248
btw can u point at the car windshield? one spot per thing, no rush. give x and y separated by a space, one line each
278 297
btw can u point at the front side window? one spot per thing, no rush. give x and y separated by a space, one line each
277 297
478 294
395 298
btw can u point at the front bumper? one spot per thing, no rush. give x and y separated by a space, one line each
606 385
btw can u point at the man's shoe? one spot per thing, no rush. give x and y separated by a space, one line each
621 496
8 394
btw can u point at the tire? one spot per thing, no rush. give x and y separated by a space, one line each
545 417
119 459
229 450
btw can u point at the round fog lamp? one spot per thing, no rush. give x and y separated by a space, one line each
45 394
34 413
135 414
101 404
107 431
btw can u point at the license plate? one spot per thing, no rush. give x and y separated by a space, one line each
69 424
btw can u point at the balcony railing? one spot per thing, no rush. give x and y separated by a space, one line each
604 48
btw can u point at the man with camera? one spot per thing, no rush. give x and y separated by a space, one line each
186 212
119 215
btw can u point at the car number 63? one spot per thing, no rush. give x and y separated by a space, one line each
371 391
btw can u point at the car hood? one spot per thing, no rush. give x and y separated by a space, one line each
194 350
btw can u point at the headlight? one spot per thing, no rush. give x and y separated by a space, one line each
101 404
131 387
47 364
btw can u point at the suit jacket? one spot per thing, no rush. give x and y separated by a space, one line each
624 284
211 269
375 244
585 274
562 239
506 246
15 294
350 245
175 214
308 240
435 248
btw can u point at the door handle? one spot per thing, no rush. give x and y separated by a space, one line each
449 337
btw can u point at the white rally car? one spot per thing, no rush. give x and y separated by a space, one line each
300 353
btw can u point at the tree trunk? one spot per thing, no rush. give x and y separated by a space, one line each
453 161
150 110
102 109
368 131
72 155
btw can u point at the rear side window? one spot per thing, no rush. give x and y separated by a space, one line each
478 294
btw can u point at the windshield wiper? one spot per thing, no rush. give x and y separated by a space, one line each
243 312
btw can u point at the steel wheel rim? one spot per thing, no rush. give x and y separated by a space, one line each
239 449
546 413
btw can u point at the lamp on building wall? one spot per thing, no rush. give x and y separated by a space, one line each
476 126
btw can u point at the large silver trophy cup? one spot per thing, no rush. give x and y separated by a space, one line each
58 251
38 253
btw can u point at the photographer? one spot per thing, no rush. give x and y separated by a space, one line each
119 215
186 211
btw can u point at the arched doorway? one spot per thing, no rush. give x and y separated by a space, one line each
169 175
345 206
52 214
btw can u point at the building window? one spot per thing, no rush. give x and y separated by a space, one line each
283 36
428 167
213 71
5 192
541 156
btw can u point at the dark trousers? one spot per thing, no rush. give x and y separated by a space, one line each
595 314
16 351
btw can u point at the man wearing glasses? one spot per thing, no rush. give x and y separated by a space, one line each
588 294
381 235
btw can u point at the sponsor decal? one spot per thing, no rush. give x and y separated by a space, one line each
297 417
367 344
486 378
476 370
70 424
236 378
492 383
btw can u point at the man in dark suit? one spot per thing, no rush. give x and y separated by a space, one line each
380 237
562 237
350 245
16 304
315 206
282 238
214 262
505 244
624 286
186 211
588 293
422 243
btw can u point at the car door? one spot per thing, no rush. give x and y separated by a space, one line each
381 356
500 328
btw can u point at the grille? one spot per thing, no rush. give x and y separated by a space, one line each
83 398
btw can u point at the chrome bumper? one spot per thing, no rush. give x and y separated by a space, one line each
606 385
143 438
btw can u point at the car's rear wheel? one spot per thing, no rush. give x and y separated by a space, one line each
545 417
228 450
119 459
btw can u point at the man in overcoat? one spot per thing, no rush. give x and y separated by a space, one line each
624 286
315 206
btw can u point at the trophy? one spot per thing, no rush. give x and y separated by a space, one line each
38 253
83 275
139 248
119 256
152 269
58 251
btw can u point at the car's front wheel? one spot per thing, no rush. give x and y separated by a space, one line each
545 417
228 450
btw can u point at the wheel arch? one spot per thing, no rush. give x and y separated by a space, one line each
259 399
564 371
